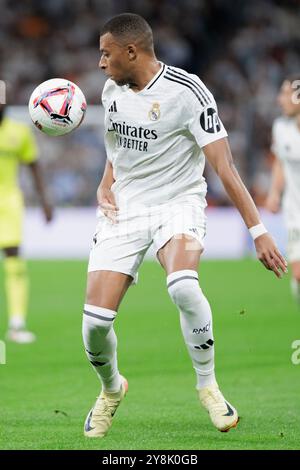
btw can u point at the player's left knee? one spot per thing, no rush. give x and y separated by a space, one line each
184 289
97 320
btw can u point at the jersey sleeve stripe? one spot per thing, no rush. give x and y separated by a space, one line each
167 77
190 80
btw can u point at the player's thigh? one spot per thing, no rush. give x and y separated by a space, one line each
116 254
106 288
182 251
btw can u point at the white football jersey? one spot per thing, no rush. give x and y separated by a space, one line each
286 146
154 137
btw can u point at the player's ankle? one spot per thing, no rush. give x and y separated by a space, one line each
16 322
204 381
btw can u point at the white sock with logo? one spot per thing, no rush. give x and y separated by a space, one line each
196 323
100 343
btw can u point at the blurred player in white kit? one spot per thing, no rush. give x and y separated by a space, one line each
286 173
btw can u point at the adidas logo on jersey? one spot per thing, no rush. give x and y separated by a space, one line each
113 107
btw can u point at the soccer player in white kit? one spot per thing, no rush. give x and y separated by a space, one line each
286 172
160 122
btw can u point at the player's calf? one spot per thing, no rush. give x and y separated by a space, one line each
196 322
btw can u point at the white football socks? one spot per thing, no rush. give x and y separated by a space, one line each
100 343
196 323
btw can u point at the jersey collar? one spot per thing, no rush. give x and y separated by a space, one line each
156 77
153 81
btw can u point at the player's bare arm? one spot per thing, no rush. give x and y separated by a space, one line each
38 180
277 187
219 155
105 196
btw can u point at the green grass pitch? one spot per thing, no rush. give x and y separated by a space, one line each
47 388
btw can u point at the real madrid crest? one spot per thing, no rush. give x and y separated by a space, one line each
154 113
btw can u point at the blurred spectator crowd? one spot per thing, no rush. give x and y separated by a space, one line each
241 49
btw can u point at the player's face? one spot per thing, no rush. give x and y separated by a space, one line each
115 60
289 99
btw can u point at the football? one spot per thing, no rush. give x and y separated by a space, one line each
57 106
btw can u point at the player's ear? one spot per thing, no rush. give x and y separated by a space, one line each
131 51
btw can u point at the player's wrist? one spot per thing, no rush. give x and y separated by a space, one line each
257 230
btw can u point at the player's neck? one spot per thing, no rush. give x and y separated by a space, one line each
144 74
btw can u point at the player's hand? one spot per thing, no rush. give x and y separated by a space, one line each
48 212
272 203
269 255
107 203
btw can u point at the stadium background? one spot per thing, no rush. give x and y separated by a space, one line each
242 51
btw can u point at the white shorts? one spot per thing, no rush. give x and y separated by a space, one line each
293 246
122 246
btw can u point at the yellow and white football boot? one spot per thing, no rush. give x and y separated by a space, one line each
222 414
99 419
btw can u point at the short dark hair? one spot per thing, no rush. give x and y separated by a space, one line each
130 27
